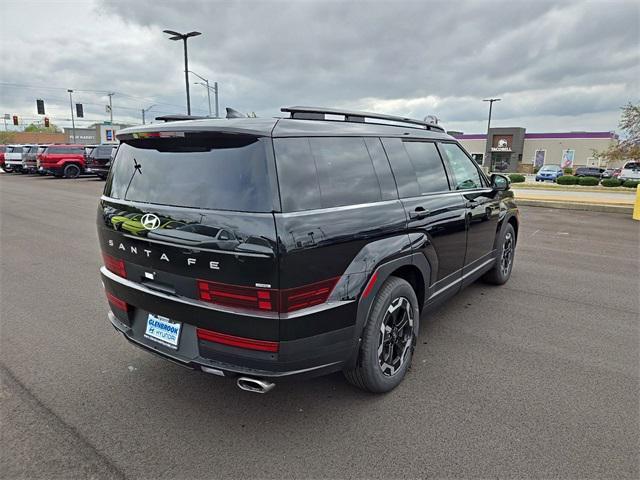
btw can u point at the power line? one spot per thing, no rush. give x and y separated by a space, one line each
104 92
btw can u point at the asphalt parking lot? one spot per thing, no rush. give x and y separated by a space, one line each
538 378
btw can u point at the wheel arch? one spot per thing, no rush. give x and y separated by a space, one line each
413 268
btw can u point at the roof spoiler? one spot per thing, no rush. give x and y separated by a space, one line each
179 117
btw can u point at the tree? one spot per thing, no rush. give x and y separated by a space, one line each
41 128
629 147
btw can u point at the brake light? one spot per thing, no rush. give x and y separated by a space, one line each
236 296
114 265
116 302
306 296
264 299
225 339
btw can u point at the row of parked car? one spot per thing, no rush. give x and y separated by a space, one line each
59 160
630 171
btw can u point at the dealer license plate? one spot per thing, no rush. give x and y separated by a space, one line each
162 330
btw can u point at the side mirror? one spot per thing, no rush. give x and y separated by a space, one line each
499 183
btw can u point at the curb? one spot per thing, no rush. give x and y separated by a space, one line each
590 207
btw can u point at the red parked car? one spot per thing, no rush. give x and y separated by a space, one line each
63 160
2 149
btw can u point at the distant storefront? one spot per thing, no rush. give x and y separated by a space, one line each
95 134
514 150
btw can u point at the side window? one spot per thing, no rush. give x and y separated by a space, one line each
402 168
323 172
465 172
428 166
345 171
383 170
297 175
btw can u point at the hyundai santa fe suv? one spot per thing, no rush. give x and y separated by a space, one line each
268 249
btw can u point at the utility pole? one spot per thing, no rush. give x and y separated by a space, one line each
215 87
184 37
487 145
111 94
73 122
144 110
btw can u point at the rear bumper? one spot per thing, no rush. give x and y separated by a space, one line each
220 367
301 357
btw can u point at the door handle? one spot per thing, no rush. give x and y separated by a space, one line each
419 213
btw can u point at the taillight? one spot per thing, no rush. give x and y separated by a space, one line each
225 339
271 300
114 265
306 296
236 296
116 302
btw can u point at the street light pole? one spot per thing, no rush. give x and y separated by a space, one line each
184 36
110 108
487 146
144 110
73 122
209 88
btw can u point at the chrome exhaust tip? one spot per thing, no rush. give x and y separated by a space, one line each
254 385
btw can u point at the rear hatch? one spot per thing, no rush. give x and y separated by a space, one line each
189 215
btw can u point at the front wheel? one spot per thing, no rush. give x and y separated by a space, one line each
388 339
501 271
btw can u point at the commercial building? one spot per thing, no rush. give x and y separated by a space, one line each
512 149
94 134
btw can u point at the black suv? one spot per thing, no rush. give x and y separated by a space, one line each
98 158
266 249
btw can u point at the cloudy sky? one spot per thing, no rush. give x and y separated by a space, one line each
556 65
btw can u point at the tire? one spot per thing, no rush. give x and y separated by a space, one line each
501 271
71 171
395 302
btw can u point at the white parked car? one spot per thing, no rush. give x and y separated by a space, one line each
13 158
630 171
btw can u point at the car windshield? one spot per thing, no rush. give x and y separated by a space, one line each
548 168
632 166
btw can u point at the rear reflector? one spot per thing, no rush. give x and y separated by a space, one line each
116 302
369 287
248 343
114 265
265 299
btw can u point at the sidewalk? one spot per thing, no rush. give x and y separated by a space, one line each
616 202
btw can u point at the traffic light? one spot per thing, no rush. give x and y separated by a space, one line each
79 111
40 105
15 119
46 122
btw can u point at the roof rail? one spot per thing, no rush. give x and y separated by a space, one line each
319 113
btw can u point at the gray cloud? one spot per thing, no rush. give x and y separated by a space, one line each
557 65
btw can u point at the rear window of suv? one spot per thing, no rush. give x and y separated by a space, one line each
219 172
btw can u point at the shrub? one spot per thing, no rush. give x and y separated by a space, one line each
567 180
516 178
536 169
568 171
611 182
631 183
588 181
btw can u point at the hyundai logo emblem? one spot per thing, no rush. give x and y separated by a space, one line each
150 221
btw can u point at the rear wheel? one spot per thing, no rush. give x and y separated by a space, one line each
501 271
388 339
71 171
